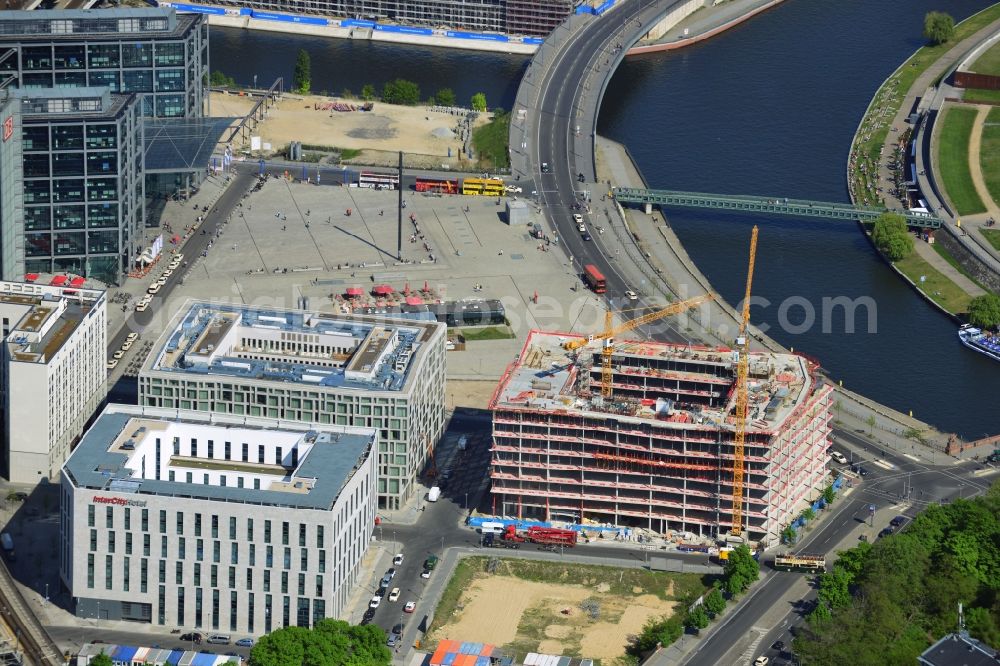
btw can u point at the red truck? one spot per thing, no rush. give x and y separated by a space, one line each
541 535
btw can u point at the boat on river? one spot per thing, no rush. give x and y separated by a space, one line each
981 341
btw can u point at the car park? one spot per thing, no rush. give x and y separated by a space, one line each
219 639
398 559
394 595
410 607
245 642
375 601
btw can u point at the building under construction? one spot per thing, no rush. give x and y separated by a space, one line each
532 18
658 454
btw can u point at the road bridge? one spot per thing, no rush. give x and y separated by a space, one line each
775 205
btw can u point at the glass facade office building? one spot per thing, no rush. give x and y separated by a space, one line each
83 192
11 205
153 52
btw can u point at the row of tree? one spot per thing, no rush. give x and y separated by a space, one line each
884 603
740 572
397 91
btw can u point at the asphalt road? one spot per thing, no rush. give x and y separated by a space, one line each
909 483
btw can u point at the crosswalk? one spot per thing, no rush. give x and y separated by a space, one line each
748 655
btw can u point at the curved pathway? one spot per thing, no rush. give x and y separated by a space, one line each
974 222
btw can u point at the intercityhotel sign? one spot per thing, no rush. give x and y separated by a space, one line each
118 501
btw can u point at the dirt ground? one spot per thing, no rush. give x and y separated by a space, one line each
469 393
503 610
388 128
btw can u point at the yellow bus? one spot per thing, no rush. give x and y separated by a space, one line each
490 187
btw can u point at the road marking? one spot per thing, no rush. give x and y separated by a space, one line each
883 464
907 455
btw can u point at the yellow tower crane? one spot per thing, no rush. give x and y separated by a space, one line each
610 331
742 394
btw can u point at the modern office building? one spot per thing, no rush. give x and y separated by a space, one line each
221 523
313 367
53 373
154 52
11 190
658 454
82 186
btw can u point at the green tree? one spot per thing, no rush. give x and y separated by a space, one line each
401 91
853 560
220 80
479 102
368 92
714 602
788 535
302 78
984 311
741 570
939 27
809 514
891 236
445 97
329 643
101 660
829 494
871 424
834 588
662 631
697 619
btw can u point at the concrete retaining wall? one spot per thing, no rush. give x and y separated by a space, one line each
969 261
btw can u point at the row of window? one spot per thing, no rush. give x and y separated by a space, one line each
81 56
94 216
70 243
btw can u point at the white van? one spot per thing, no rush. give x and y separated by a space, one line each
492 528
838 457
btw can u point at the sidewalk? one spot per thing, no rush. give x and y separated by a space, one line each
704 23
930 255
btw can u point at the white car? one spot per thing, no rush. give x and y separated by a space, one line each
112 364
513 189
394 595
118 354
410 607
761 661
167 273
631 295
376 600
153 288
131 337
396 561
141 307
162 281
426 573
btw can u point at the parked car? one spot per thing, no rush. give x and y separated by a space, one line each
118 354
426 573
245 642
761 661
219 639
398 559
393 639
374 603
410 607
897 521
112 364
193 637
394 595
131 337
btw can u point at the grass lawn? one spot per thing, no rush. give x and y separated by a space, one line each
988 62
487 333
989 153
992 235
950 258
490 142
953 160
940 289
914 67
981 95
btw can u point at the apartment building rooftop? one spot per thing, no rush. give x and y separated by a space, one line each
323 350
45 317
148 451
701 380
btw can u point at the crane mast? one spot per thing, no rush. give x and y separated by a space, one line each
742 394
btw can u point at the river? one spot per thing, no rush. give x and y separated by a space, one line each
769 108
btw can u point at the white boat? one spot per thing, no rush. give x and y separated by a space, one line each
978 340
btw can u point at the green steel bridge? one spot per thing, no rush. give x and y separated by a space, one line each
779 206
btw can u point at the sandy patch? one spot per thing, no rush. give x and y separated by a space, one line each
604 587
550 647
385 128
493 607
606 640
557 631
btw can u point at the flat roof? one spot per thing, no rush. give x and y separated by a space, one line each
44 317
289 346
547 377
111 103
111 457
26 25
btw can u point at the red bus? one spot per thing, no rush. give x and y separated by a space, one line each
437 185
595 279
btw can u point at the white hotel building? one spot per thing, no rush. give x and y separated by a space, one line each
53 373
220 523
370 372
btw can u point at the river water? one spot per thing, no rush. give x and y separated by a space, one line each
769 108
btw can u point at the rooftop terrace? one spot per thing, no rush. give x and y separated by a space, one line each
135 450
44 317
701 380
323 350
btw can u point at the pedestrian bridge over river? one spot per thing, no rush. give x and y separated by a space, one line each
779 206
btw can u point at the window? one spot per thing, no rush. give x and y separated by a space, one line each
125 571
194 447
319 536
232 577
109 517
163 521
249 578
302 535
287 559
90 515
211 449
232 611
145 545
214 576
277 455
108 576
284 534
128 518
128 543
199 550
246 452
253 555
179 573
163 546
269 557
304 559
260 454
232 528
267 580
228 450
145 520
234 553
197 574
302 584
197 524
180 523
93 540
143 572
322 561
90 571
249 529
216 551
319 586
163 571
215 527
284 582
267 531
111 542
182 548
